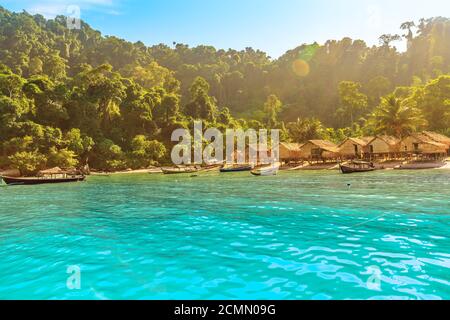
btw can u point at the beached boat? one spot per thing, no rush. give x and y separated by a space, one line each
270 170
179 170
357 166
53 175
40 180
421 165
155 170
236 168
210 168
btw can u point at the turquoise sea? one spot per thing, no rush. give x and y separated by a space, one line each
299 235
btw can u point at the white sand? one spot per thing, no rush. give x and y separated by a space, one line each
151 170
446 166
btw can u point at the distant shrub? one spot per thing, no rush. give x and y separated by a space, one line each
28 163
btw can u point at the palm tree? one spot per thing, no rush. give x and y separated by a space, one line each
408 26
107 90
305 129
396 117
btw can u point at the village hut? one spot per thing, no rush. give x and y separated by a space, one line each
383 147
422 144
353 148
289 152
439 138
319 150
261 153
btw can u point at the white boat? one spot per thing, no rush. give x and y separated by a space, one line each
270 170
179 170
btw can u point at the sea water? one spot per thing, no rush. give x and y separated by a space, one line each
298 235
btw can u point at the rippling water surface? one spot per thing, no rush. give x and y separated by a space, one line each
301 235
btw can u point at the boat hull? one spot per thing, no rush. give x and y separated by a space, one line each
348 169
264 173
422 166
34 181
267 171
178 171
237 169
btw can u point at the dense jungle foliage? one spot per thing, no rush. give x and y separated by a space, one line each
72 96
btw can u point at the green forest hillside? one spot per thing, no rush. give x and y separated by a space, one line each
71 96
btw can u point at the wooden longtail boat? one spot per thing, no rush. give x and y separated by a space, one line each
40 180
179 170
236 168
357 166
270 170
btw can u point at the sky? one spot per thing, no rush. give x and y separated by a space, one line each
268 25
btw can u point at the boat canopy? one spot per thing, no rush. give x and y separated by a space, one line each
52 171
56 171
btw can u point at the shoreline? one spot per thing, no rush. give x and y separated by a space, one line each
135 171
389 165
384 165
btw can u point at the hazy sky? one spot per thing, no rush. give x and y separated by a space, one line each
269 25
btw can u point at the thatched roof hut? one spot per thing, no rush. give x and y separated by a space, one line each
421 143
354 147
319 150
253 153
383 145
290 151
438 137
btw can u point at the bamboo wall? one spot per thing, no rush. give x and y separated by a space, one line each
306 152
407 145
289 153
379 147
347 149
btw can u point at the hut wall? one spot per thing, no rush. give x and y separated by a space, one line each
289 153
432 149
330 155
366 150
379 147
306 149
309 151
296 155
347 149
285 153
408 145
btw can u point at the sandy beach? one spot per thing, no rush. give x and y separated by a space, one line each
148 170
382 165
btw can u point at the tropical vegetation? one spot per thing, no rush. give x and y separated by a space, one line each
70 97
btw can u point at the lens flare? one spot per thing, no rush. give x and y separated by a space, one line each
300 67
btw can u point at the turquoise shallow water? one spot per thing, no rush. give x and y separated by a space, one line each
302 235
